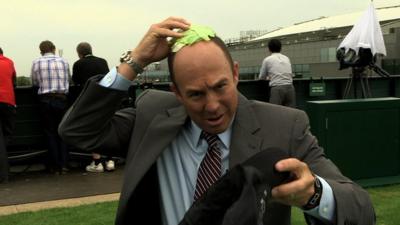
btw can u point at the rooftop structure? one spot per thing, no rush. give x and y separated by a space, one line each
385 14
311 45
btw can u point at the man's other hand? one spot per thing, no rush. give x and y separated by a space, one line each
299 189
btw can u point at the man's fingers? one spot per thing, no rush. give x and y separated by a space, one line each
298 190
289 165
177 19
154 45
170 27
162 33
285 190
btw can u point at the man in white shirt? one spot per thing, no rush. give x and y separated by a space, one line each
278 70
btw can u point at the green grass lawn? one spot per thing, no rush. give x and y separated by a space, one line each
386 202
94 214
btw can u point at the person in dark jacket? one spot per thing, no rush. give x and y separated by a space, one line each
86 67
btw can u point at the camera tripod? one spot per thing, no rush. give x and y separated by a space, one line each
359 74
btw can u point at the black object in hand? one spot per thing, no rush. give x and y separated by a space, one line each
239 197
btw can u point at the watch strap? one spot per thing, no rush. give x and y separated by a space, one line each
126 58
316 197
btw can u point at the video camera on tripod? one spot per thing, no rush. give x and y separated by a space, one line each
364 59
360 50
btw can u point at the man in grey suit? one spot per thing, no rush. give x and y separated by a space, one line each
162 137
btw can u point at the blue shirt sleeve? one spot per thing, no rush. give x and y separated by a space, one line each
115 80
326 209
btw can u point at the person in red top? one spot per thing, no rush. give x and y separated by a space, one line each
7 110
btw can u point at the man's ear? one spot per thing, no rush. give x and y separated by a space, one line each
236 72
175 89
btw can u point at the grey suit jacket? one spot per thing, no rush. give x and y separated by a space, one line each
142 133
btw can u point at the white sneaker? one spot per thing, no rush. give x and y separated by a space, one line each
110 165
92 167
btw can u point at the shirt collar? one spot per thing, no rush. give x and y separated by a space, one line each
225 136
49 54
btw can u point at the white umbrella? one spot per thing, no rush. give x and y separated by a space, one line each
366 34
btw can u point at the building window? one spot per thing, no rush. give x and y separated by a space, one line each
301 70
328 55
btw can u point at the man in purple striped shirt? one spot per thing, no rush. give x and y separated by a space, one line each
51 75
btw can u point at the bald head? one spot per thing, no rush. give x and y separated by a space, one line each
215 40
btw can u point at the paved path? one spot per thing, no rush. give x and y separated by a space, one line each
35 190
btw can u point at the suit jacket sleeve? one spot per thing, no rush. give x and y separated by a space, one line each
94 123
353 205
75 75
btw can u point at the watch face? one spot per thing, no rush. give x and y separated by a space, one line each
125 57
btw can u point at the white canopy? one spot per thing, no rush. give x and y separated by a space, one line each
366 33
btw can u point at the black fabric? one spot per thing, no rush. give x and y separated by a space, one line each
3 158
97 161
86 67
7 123
144 208
352 59
114 148
52 110
241 196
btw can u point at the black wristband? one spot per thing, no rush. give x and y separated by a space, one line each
316 197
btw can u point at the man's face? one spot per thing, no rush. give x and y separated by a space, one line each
206 86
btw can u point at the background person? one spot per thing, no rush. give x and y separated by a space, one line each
7 110
86 67
278 70
168 136
50 74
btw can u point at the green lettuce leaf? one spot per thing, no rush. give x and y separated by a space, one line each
193 35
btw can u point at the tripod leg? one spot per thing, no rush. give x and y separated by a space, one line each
355 85
363 91
368 87
347 88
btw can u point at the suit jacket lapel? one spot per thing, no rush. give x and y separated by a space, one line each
162 130
244 143
165 126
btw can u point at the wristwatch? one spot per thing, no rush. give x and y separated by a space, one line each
316 197
126 58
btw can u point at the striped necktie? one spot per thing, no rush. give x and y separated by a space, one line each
210 166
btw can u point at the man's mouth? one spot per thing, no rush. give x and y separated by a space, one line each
213 121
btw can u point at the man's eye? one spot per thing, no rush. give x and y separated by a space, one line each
220 86
195 94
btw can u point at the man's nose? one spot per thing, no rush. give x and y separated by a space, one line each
212 104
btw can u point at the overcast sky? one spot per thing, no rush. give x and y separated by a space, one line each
112 27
